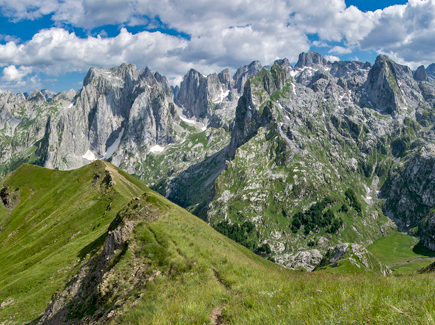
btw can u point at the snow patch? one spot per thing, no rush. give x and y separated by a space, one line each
70 105
89 155
187 120
157 149
203 128
221 96
294 72
110 151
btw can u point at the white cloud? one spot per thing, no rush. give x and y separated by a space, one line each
222 33
332 58
55 51
320 44
405 32
9 38
340 50
12 74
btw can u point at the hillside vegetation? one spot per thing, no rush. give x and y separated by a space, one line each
95 245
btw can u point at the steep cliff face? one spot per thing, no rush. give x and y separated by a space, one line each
213 98
391 88
320 131
409 190
115 106
300 136
22 126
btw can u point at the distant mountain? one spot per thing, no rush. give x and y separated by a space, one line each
313 156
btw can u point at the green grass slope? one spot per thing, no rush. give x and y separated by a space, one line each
95 248
45 233
402 253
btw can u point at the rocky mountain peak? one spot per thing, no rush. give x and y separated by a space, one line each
48 94
66 95
225 78
283 62
244 72
382 58
420 74
37 97
311 59
430 70
390 87
189 88
151 79
123 73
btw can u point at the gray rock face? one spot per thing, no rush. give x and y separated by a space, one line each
66 95
22 127
213 99
306 260
410 187
420 74
312 60
119 106
193 94
430 70
243 73
48 94
390 88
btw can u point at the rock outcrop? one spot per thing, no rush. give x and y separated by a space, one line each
354 254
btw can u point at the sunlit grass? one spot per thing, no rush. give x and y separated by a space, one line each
193 268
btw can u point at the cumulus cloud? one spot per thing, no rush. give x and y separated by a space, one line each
332 58
340 50
55 51
405 32
221 33
9 38
12 74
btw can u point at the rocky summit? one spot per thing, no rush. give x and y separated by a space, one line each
290 161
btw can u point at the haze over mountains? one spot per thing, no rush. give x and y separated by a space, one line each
260 147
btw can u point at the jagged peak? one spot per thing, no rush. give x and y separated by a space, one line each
283 62
37 96
420 74
194 73
251 66
146 73
430 70
67 95
124 71
383 58
48 94
311 59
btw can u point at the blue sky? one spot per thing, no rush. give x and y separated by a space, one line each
51 44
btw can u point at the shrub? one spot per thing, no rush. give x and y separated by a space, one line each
350 194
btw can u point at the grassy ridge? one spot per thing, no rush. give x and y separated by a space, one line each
43 239
194 274
215 272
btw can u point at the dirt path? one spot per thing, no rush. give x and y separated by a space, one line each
216 315
413 260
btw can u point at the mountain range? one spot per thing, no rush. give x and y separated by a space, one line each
289 161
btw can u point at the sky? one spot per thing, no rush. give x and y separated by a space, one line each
51 44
